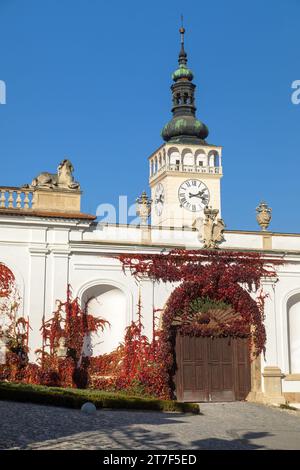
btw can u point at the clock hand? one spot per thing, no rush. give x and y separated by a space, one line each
199 194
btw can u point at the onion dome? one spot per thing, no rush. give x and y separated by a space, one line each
184 127
182 73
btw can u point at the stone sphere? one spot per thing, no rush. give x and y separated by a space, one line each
88 408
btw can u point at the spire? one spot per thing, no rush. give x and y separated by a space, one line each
182 54
184 127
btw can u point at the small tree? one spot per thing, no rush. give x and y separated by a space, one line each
74 324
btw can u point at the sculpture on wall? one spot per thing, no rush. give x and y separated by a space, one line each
61 350
211 232
62 180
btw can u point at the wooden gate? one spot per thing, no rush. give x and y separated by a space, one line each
212 369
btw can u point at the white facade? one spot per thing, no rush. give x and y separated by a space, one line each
47 253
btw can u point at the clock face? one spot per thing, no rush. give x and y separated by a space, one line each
159 198
193 195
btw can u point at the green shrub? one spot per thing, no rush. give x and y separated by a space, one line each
74 398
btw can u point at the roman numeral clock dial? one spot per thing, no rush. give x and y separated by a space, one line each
159 199
193 195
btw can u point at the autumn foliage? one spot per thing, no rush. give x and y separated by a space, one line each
217 277
217 293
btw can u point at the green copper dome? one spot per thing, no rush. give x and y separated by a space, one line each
184 129
182 72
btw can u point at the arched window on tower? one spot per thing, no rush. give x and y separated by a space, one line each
151 168
174 156
200 158
293 313
187 158
159 161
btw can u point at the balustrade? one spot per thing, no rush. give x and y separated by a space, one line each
189 169
15 198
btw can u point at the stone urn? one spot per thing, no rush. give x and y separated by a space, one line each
143 208
263 215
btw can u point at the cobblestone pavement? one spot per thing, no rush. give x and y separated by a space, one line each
220 426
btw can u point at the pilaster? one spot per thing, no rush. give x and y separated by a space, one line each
272 375
36 286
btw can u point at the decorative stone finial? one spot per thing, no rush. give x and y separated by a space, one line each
264 215
143 208
213 228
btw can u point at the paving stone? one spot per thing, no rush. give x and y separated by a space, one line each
236 425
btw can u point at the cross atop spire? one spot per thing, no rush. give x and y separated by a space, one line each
182 54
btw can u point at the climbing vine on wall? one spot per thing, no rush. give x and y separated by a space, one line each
14 330
223 278
65 333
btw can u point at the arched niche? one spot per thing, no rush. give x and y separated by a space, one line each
293 317
108 302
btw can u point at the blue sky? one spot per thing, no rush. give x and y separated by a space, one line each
89 80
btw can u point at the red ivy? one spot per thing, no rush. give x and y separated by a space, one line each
73 323
7 280
224 276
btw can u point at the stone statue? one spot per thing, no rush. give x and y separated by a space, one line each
3 351
61 350
213 228
264 215
62 180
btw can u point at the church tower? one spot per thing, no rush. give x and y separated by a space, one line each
185 172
